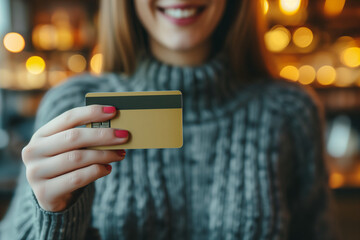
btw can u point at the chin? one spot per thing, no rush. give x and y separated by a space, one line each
180 43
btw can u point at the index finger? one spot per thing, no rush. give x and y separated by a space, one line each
76 117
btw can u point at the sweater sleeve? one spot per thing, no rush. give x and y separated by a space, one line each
25 218
306 192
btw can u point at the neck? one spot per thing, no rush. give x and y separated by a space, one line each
205 88
190 57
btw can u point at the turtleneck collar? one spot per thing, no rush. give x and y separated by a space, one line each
208 89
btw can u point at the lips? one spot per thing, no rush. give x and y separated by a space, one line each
181 14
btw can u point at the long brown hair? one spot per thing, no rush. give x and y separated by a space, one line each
239 35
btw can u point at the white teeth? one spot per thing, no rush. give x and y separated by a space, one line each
180 13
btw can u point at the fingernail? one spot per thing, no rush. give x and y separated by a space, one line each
121 152
121 133
109 109
108 167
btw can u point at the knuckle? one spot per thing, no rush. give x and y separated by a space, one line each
68 116
32 172
102 133
97 170
104 156
92 110
26 153
72 135
75 157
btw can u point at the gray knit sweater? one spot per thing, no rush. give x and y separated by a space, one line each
251 167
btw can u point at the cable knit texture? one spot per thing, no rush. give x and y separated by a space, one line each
251 166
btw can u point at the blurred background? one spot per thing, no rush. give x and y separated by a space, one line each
314 42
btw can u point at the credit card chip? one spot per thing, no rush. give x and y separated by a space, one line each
105 124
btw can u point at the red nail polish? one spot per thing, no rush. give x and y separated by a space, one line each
109 109
108 167
121 133
121 152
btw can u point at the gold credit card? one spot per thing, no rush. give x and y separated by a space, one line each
153 119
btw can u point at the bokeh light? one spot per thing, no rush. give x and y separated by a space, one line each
344 42
96 63
307 74
345 77
326 75
45 37
303 37
35 81
35 65
65 38
27 80
351 57
51 37
336 180
333 7
290 72
77 63
266 6
289 7
14 42
277 39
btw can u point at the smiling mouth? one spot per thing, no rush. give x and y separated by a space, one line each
182 12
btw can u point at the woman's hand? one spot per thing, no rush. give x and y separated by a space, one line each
57 161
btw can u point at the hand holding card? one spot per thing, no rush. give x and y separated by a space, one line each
154 119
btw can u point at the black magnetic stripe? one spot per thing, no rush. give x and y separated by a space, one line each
138 102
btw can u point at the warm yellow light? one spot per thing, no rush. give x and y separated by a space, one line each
289 7
77 63
35 65
307 74
277 39
266 6
290 73
343 43
303 37
14 42
351 57
346 39
65 38
96 63
326 75
35 81
333 7
45 37
345 77
336 180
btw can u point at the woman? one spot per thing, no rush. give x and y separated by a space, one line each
251 166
